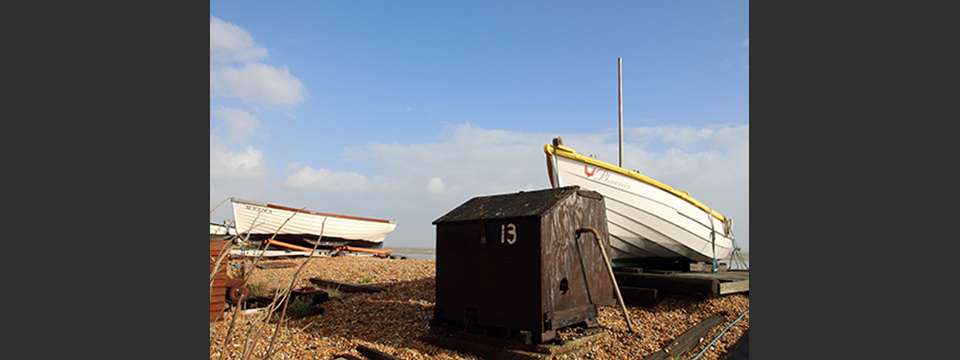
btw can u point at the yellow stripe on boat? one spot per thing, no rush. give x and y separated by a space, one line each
571 154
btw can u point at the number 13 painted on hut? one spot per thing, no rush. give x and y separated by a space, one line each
508 233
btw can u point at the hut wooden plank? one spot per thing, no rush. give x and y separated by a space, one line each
217 307
217 245
216 316
734 287
218 291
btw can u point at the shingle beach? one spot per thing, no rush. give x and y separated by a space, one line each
393 321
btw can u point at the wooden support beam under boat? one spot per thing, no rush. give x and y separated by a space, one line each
668 283
363 250
286 245
635 293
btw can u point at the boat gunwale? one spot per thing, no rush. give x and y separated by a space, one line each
310 212
569 153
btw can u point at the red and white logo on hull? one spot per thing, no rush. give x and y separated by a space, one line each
588 171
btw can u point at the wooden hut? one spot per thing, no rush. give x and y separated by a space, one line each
519 263
219 289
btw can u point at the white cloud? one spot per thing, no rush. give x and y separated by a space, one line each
685 136
307 178
229 42
469 161
240 123
436 186
712 163
733 139
258 83
235 166
235 170
689 138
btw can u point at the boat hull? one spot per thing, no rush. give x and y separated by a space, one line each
258 221
646 220
221 229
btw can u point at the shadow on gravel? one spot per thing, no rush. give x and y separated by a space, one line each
396 317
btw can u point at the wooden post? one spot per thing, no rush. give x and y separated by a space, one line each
606 261
620 102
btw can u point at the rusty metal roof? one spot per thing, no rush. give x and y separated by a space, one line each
520 204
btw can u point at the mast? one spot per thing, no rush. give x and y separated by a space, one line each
620 101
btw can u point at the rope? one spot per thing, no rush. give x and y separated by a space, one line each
736 250
713 242
718 336
218 205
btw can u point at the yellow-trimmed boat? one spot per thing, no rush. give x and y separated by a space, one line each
646 218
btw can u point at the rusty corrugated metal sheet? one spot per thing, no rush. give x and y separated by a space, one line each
514 263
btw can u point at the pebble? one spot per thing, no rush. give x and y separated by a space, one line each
392 321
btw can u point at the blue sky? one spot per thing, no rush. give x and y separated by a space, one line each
406 109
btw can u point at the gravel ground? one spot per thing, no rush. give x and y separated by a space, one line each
392 321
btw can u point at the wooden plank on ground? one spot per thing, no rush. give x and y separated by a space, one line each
491 347
375 354
345 287
688 340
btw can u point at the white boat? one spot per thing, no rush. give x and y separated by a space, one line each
646 219
261 220
222 229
